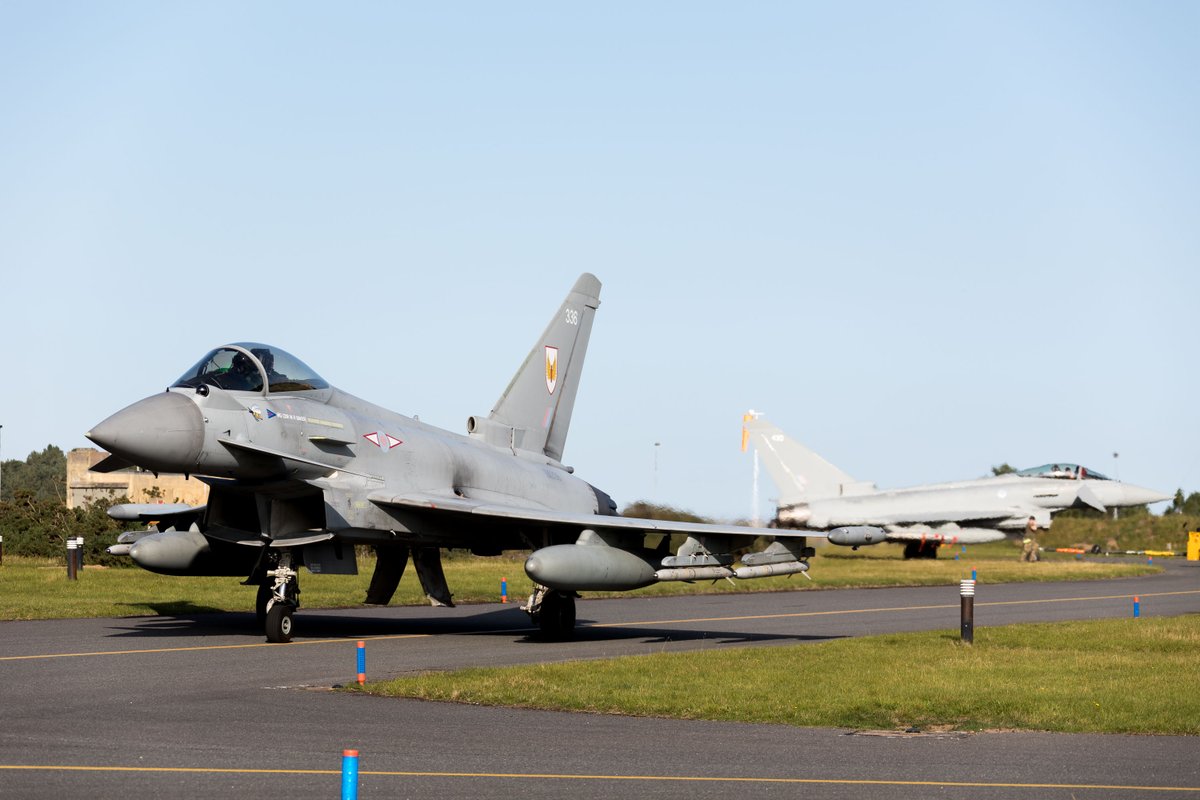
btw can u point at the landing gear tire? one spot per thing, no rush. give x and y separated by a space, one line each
265 592
279 623
556 618
260 604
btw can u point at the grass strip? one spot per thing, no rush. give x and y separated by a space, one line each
39 589
1134 676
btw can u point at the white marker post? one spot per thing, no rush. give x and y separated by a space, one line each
967 591
71 545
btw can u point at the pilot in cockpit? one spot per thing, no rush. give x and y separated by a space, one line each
243 375
268 361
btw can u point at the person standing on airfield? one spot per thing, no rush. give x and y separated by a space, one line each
1029 545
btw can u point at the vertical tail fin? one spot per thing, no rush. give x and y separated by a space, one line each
800 474
539 400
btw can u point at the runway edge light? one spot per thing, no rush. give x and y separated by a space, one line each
967 617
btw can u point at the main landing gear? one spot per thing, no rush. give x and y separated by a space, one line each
552 611
278 599
921 549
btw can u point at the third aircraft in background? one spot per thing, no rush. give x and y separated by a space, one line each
815 495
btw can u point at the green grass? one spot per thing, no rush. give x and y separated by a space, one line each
34 589
1112 676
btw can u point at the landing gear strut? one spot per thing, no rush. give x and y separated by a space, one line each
552 611
278 600
920 549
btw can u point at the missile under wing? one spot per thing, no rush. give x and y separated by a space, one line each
814 495
300 472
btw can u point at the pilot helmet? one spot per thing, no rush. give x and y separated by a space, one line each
266 357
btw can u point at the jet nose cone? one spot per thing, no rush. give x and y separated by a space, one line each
1137 495
1112 493
163 433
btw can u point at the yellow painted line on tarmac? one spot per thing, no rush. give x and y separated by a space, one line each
627 624
195 648
1103 597
550 776
793 614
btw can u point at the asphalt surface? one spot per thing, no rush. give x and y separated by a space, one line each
201 707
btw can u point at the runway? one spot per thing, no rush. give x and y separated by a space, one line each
201 706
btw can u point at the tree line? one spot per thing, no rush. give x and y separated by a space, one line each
35 520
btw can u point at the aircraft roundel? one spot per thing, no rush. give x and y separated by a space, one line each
551 368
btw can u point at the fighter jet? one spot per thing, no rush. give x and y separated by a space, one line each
300 472
814 495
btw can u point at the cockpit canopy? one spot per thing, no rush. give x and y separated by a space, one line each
1064 471
248 366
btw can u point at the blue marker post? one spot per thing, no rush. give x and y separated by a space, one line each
1137 607
972 573
349 775
504 590
362 664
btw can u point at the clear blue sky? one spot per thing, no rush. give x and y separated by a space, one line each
925 238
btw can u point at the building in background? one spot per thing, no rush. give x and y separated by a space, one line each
138 485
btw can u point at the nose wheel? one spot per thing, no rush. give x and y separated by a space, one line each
278 624
278 600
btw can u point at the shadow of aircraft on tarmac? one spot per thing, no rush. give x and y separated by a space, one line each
180 619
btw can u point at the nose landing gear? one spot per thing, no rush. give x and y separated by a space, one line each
278 600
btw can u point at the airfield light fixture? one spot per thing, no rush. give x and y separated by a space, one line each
655 491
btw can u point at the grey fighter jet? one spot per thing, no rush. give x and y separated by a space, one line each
300 472
814 495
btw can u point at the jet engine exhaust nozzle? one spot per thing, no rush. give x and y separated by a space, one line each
795 515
